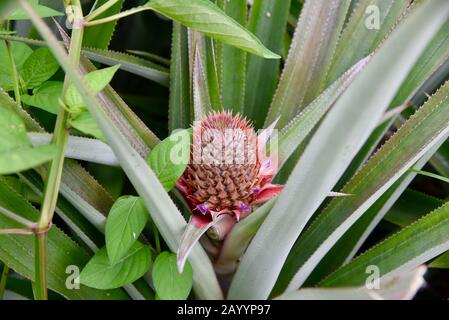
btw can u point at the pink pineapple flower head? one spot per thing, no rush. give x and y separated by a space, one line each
227 175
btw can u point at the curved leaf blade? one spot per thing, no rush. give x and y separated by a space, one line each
206 17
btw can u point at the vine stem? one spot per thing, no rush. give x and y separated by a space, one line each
53 178
15 76
117 16
103 8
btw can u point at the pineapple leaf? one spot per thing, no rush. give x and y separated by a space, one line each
233 62
180 110
409 248
413 141
267 17
341 133
308 58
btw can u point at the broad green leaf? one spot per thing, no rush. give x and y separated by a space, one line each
363 32
42 11
86 124
233 62
20 51
170 157
25 158
163 211
179 110
96 80
20 54
16 151
409 248
341 133
38 68
267 18
102 274
45 97
168 282
100 36
310 54
427 128
6 7
204 16
18 251
124 224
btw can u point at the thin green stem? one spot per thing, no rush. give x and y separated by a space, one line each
60 138
431 175
14 74
3 279
100 10
15 217
40 269
117 16
25 232
150 56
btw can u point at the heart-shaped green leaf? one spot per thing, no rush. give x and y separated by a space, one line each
20 52
45 97
96 80
169 158
125 222
99 273
169 283
16 151
42 11
86 124
38 68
